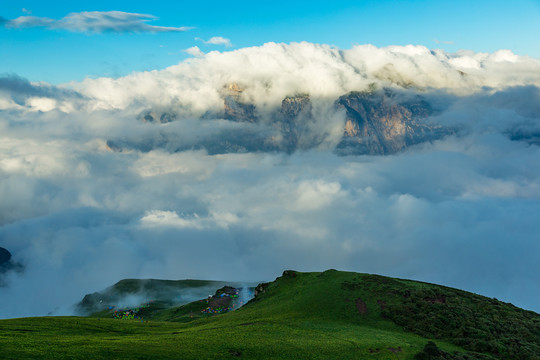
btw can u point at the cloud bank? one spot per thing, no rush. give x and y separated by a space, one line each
460 211
94 22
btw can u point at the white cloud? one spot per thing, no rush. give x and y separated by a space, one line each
216 40
95 22
462 211
158 218
6 104
194 50
29 21
320 70
314 195
41 104
157 163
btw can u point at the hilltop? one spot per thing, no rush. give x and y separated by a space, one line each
166 293
332 314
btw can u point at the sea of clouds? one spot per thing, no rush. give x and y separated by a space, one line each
462 211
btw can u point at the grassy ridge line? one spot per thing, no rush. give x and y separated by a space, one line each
329 315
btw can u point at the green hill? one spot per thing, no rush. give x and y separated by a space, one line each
163 293
328 315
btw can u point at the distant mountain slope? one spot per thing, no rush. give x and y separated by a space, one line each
132 292
379 123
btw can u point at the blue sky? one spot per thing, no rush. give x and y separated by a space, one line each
58 55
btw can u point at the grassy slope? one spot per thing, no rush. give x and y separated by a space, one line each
310 316
165 291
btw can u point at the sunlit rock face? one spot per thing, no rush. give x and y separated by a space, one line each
376 123
235 108
379 123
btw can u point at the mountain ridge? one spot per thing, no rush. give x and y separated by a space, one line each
373 122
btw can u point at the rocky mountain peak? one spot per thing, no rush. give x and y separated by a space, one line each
233 89
384 122
235 109
291 106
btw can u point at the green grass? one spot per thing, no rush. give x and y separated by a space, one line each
218 337
298 316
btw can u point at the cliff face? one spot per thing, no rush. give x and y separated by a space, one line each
376 123
295 113
234 108
381 123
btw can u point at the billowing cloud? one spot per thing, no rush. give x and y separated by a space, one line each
19 93
194 50
319 70
216 40
461 210
94 22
